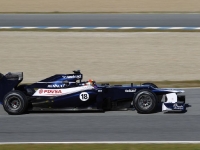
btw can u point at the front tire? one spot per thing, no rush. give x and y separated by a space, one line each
15 103
145 101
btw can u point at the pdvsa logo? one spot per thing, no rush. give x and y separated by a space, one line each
48 92
53 91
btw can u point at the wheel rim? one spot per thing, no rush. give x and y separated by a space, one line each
13 103
145 101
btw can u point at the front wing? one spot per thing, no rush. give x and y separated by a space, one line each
173 103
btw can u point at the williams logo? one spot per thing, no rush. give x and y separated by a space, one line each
72 77
130 90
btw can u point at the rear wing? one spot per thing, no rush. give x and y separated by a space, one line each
14 76
8 82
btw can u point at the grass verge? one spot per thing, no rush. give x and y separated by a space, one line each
102 147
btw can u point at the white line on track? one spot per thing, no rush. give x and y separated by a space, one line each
94 28
176 28
101 27
127 27
29 27
77 28
53 28
151 27
108 142
6 27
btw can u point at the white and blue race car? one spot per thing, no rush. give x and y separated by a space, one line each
67 92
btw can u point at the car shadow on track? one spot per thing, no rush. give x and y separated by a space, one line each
61 112
158 110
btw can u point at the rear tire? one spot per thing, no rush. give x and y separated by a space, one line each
15 103
145 101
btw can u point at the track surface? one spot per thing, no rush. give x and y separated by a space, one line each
108 126
101 20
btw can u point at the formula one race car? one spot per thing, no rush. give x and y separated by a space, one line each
67 92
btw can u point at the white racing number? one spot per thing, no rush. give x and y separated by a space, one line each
84 96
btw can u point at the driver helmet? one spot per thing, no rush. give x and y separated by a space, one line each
90 82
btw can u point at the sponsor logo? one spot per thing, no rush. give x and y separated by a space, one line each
56 85
52 91
72 77
175 106
130 90
58 92
41 91
99 90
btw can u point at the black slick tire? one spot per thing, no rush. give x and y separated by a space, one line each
15 103
145 102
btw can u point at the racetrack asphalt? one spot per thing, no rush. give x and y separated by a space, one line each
108 126
101 20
